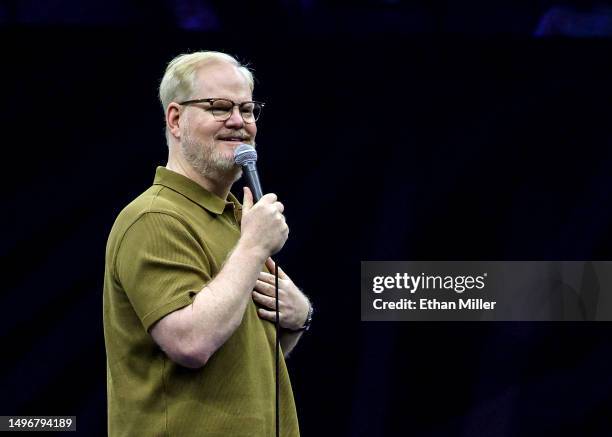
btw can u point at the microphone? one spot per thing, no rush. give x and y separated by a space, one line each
246 157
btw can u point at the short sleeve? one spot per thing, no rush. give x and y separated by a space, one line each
161 265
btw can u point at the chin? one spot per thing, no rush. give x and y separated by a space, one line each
225 162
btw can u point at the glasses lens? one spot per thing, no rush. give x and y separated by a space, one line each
250 111
221 109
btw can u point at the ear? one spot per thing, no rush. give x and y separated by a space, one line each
173 113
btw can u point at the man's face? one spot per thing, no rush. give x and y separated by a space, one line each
207 144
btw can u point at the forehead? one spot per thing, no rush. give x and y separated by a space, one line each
221 80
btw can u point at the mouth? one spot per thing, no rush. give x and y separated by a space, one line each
234 139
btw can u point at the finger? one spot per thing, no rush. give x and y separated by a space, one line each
280 207
269 315
266 277
281 272
264 287
270 197
264 300
269 278
270 264
247 199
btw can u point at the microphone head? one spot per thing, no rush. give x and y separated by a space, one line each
245 154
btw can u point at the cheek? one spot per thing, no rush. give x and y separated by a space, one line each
186 126
204 130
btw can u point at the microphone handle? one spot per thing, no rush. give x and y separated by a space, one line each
249 171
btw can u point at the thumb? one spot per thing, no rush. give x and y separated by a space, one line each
247 199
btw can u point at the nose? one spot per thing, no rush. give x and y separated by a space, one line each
235 120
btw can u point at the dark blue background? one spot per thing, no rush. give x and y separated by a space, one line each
385 145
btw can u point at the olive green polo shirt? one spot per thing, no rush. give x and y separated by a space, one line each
164 247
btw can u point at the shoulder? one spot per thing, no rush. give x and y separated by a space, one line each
153 213
157 201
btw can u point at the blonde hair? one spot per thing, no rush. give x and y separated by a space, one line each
178 81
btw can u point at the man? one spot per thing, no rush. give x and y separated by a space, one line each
188 303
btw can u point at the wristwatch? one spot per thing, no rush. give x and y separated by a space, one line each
308 320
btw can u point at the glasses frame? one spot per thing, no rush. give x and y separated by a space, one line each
213 99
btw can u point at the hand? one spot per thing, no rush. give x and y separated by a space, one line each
263 224
293 305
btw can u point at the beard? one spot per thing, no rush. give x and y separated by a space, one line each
208 161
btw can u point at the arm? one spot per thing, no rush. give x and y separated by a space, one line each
191 335
288 340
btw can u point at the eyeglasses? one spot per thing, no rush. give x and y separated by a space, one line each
222 109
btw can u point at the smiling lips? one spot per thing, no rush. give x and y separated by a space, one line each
232 138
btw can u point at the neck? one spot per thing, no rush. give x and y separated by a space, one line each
217 184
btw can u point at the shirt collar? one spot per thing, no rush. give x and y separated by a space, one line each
195 192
